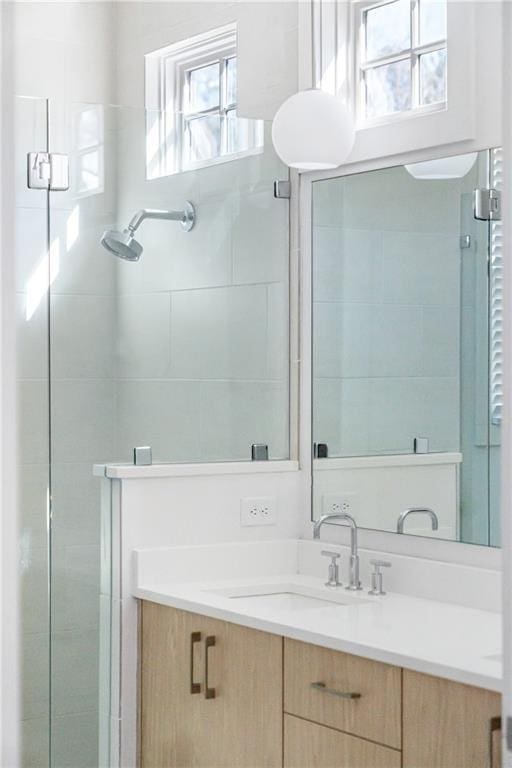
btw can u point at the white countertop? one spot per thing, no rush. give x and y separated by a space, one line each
438 638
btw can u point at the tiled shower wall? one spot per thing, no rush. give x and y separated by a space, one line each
203 316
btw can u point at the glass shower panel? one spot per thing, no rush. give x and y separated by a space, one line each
202 318
82 327
32 279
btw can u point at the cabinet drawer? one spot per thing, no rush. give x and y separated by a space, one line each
308 745
375 714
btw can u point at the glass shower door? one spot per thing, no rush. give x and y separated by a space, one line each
33 274
81 317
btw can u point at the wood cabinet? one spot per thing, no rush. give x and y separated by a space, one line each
208 705
449 725
318 683
307 745
217 695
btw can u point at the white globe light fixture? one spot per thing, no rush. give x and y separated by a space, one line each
313 130
455 167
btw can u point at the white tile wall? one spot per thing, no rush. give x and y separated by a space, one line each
163 414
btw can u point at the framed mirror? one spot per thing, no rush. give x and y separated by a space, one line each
407 333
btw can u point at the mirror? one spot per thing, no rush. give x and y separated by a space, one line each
407 376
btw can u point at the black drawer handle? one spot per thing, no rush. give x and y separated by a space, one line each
195 637
209 693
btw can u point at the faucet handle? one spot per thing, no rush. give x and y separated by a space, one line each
328 553
334 570
377 576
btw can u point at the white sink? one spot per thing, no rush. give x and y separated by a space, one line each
289 597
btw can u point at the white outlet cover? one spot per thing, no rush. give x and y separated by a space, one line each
340 503
258 510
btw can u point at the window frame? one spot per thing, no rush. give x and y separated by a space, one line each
413 54
167 73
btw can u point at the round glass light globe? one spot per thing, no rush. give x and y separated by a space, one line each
455 167
313 130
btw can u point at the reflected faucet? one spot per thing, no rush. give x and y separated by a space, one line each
354 583
417 511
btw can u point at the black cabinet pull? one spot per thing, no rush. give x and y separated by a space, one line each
195 637
209 693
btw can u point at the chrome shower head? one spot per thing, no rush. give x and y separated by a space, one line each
122 244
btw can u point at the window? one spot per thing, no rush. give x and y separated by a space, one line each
401 57
191 100
88 149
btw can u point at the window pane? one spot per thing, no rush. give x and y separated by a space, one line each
204 138
388 89
388 29
432 21
204 90
231 75
433 77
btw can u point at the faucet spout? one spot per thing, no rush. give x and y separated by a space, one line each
417 511
345 519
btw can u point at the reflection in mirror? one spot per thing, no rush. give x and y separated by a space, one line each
407 292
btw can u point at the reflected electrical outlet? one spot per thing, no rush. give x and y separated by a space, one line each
340 503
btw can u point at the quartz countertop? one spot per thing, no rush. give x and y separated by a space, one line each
447 640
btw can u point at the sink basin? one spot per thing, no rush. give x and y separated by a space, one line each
288 597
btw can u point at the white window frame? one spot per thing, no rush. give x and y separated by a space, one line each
362 65
167 73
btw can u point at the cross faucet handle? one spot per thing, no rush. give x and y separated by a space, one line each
334 570
376 589
328 553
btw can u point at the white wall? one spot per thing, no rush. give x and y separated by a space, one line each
9 567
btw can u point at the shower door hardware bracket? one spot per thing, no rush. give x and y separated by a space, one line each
487 205
48 170
282 189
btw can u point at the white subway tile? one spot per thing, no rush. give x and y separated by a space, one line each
82 337
143 335
219 333
163 414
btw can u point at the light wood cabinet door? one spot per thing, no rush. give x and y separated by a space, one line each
375 715
448 725
308 745
241 725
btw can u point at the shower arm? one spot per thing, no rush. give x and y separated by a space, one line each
151 213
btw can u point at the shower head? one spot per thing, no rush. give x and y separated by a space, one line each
124 245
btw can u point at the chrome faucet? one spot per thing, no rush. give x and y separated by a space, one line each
417 511
354 583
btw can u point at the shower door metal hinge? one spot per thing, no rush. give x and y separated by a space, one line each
487 204
282 189
48 170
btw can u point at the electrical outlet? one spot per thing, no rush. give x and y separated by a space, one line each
340 503
261 510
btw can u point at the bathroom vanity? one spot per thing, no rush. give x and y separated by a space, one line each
217 694
282 670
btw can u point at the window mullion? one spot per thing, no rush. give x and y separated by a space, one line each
222 117
415 59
